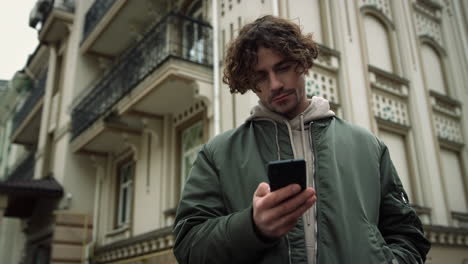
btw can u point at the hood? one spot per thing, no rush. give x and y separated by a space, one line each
318 108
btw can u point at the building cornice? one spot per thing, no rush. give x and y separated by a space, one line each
447 236
144 244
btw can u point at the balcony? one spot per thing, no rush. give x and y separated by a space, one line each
111 26
27 120
54 16
172 61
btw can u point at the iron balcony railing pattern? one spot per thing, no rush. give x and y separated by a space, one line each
43 8
175 36
25 169
95 13
36 94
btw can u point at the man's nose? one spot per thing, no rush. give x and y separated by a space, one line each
275 82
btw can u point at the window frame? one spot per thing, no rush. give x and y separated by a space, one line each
198 117
127 160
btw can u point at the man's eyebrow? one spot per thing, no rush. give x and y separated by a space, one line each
283 63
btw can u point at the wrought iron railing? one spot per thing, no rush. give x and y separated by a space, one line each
24 170
95 13
43 8
36 94
175 36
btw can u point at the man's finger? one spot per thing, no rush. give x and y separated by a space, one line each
288 221
292 204
280 195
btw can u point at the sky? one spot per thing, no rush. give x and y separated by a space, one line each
17 39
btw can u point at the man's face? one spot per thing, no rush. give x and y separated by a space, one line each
281 87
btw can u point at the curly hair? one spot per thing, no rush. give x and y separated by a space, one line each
281 35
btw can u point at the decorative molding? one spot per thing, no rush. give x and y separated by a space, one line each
431 8
447 236
428 20
388 82
322 79
389 97
448 128
460 219
328 58
118 234
149 243
445 104
189 112
383 6
447 118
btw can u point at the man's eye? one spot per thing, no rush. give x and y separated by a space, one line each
284 68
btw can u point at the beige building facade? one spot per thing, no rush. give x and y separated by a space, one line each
124 93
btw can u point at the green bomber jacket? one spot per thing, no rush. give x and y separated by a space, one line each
363 214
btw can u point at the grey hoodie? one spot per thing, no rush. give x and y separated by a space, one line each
302 148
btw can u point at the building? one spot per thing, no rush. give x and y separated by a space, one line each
12 93
126 92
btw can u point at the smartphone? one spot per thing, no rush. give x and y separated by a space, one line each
282 173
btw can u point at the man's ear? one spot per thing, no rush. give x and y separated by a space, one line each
300 69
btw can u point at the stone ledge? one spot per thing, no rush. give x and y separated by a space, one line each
144 244
447 236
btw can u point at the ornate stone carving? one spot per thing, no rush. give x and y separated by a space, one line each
323 77
447 118
148 243
389 96
428 20
382 6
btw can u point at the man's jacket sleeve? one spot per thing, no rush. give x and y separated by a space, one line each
398 222
204 231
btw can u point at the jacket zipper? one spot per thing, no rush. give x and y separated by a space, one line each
289 249
311 140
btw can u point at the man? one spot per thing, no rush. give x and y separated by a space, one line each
227 213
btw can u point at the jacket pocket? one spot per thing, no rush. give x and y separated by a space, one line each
379 247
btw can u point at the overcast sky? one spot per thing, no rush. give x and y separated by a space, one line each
17 39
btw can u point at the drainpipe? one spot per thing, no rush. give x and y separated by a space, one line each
100 171
216 97
275 5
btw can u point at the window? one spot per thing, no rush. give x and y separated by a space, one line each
378 44
126 172
433 71
192 141
397 147
195 37
453 180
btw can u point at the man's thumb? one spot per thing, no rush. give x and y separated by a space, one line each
262 189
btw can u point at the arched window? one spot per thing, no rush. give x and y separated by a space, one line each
453 178
397 147
433 71
378 44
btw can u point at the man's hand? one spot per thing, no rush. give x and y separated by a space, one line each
276 213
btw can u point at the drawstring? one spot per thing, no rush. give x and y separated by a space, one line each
278 151
304 151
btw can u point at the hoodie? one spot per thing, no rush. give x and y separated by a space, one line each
302 147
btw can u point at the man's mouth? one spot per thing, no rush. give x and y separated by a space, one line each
280 98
